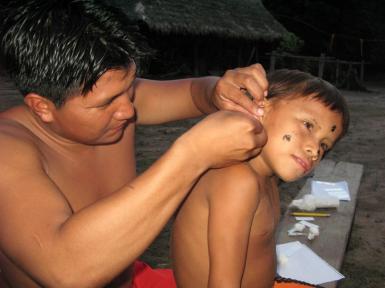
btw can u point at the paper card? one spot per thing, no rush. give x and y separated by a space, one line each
302 264
337 189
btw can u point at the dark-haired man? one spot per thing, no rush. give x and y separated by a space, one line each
73 213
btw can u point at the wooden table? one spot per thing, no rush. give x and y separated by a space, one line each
334 230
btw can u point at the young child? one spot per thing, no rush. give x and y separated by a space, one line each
223 234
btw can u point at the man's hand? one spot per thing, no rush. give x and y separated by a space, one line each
242 89
224 138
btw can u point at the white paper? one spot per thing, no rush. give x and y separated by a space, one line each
337 189
304 218
302 264
308 224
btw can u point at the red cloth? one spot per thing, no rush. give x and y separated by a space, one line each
146 277
290 283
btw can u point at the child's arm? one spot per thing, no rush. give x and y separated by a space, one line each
233 200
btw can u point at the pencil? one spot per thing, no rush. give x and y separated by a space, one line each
310 214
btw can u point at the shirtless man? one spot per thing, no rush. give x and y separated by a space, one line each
223 235
73 212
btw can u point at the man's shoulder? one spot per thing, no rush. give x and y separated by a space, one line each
15 137
12 130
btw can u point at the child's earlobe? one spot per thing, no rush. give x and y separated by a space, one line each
267 104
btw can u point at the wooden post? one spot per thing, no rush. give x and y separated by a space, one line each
362 71
272 62
251 55
337 71
349 77
321 65
239 56
196 56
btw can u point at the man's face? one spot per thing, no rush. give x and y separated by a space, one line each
100 116
300 131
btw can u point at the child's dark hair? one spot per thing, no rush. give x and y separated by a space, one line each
56 47
286 83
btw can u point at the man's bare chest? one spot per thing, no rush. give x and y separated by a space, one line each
84 178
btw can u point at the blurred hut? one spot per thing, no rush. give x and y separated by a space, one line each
204 36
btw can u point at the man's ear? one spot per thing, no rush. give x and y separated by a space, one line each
41 106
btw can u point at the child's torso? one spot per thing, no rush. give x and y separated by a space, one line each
190 246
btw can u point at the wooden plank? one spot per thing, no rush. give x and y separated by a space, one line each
325 169
334 230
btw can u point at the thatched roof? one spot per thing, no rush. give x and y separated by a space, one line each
246 19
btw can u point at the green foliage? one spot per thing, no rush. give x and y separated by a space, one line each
290 44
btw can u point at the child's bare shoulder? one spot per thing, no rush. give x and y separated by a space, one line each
238 180
238 170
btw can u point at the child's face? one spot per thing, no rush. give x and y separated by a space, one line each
300 130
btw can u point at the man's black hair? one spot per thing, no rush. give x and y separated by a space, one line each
56 47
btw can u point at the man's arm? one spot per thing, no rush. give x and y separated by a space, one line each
41 234
162 101
59 248
233 200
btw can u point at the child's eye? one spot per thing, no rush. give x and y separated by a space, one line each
308 125
324 147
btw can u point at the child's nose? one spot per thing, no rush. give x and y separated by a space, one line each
313 150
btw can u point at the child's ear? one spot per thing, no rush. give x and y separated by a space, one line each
41 106
268 104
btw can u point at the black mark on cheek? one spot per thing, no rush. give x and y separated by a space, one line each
286 137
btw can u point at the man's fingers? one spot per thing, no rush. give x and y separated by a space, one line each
245 87
250 103
240 100
258 128
235 107
255 81
260 138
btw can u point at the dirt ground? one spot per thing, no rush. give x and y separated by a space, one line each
364 264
